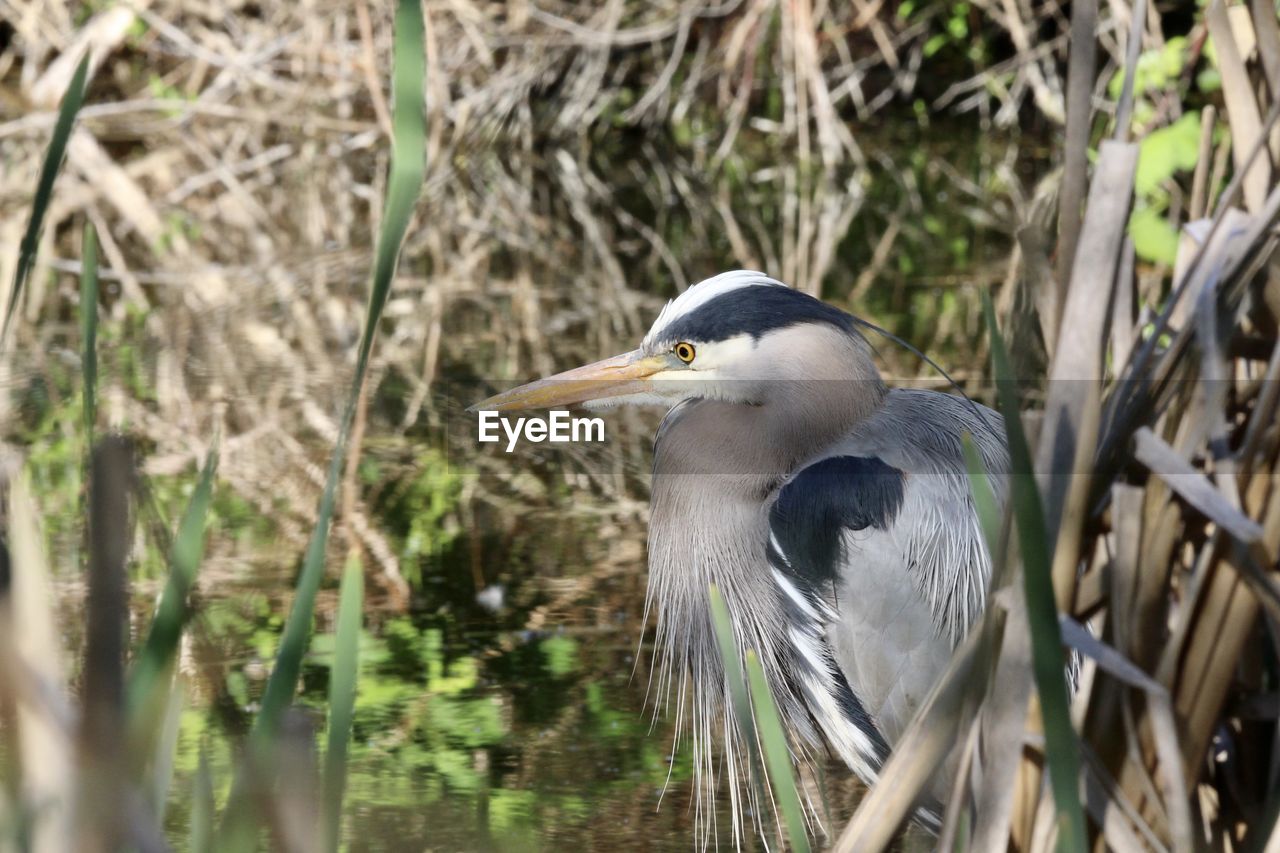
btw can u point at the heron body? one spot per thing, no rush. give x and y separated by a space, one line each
834 514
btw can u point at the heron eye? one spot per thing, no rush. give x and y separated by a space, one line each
684 352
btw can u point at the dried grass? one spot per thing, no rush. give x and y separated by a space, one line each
229 159
1159 459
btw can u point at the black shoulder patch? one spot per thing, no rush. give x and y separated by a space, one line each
830 496
755 310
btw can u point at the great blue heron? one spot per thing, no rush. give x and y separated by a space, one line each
833 512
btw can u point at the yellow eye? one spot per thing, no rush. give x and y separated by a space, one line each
684 352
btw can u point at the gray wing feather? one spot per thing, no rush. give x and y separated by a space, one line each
893 579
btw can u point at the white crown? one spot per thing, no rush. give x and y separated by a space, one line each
702 293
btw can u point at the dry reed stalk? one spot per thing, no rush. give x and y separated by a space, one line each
1079 112
1183 520
101 803
30 654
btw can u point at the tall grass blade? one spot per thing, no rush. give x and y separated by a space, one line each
89 329
729 656
739 696
1046 637
152 663
770 732
342 697
984 498
403 186
402 190
200 838
166 749
71 102
777 755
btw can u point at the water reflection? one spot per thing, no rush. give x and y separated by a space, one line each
467 736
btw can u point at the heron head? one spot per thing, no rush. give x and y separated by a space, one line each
737 337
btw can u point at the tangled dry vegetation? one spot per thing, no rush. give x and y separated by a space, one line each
585 161
1157 462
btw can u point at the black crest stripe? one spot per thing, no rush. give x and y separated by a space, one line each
754 310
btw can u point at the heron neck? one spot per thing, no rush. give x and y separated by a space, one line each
715 466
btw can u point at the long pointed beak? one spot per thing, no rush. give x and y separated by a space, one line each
612 377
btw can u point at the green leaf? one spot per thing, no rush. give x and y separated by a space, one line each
71 102
201 823
1048 663
1156 69
771 735
166 750
984 498
729 657
560 654
1167 151
402 191
1209 81
1154 237
342 697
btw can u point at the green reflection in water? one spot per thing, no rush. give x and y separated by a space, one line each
509 740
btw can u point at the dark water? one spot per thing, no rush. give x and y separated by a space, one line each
472 731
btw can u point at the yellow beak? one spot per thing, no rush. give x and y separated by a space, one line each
612 377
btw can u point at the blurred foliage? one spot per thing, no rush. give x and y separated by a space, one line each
419 506
1173 78
1162 155
53 430
438 726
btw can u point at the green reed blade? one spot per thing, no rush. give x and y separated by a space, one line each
167 748
71 102
402 191
403 186
964 832
201 822
89 329
984 499
738 696
1048 662
771 736
172 613
342 697
152 699
777 755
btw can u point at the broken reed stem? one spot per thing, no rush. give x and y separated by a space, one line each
103 799
1080 73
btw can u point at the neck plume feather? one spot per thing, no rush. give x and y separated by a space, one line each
716 465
